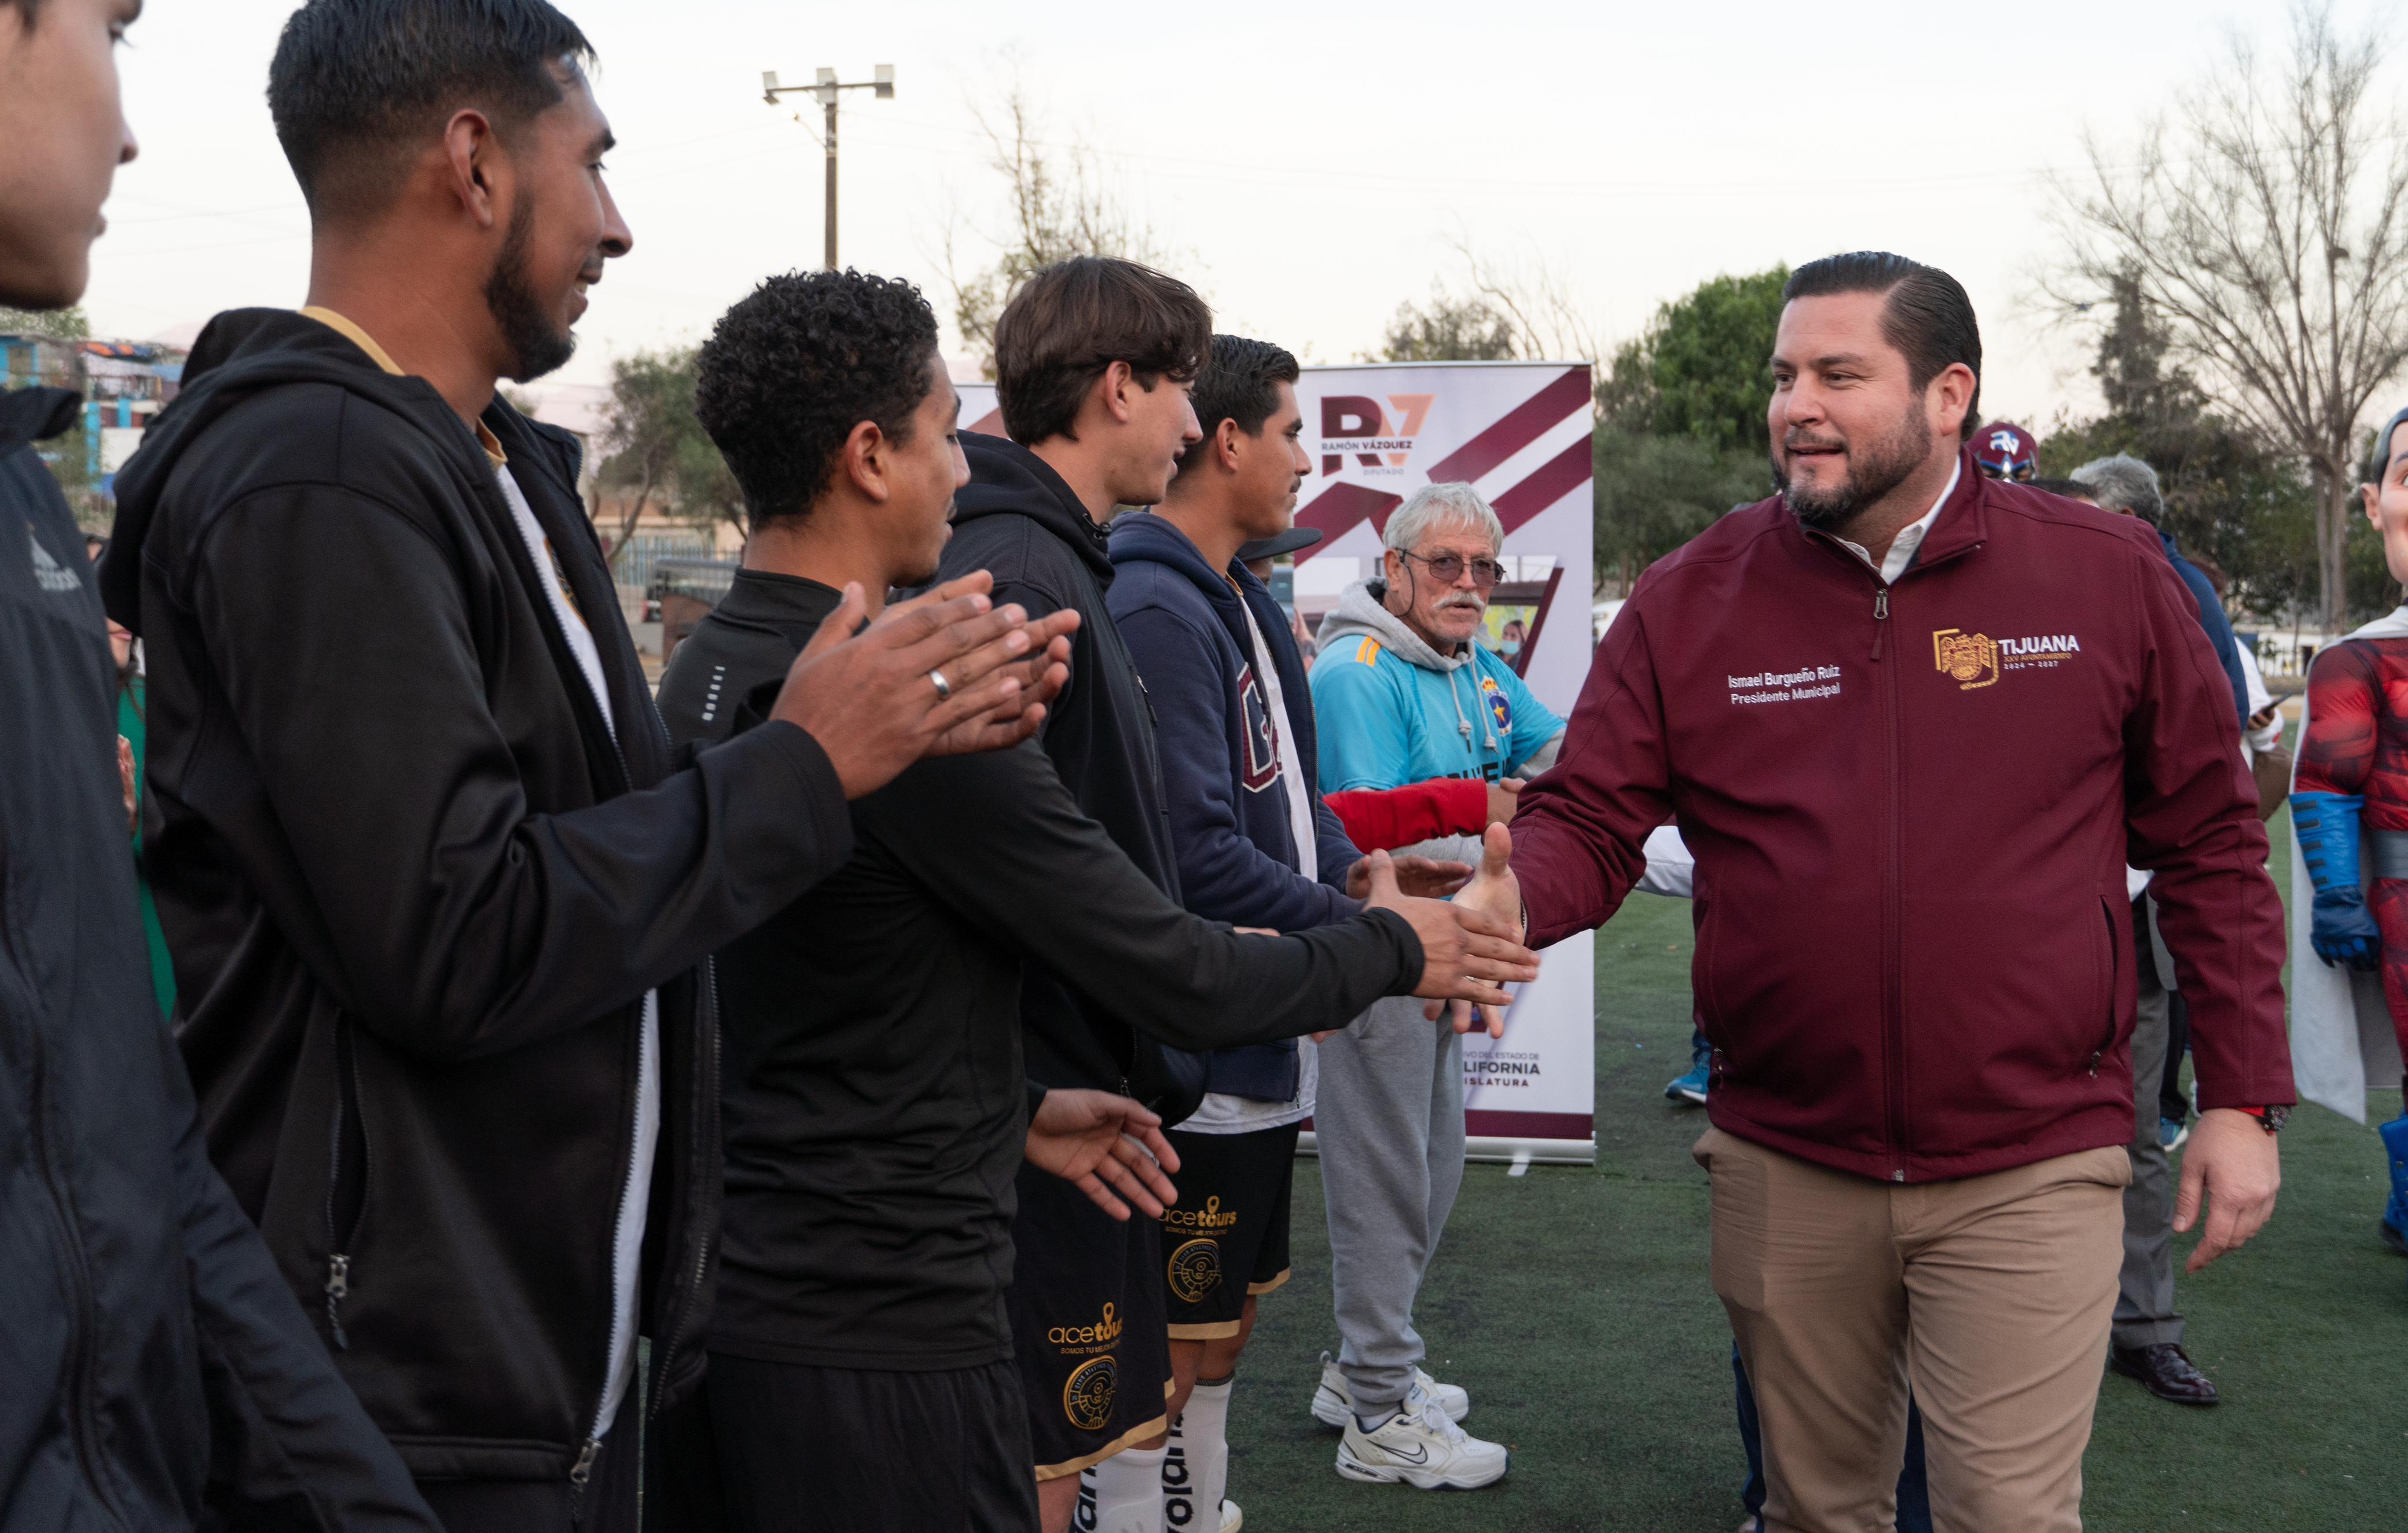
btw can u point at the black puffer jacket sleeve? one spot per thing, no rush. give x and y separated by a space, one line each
452 920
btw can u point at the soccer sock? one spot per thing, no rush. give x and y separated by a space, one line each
1206 1427
1128 1491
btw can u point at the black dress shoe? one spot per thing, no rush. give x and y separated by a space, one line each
2163 1371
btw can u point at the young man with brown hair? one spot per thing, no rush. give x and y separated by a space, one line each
1095 359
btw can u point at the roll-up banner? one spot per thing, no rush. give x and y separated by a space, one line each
1519 433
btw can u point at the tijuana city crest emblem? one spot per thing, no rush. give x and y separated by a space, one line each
1974 660
1087 1398
1195 1269
1970 660
1501 710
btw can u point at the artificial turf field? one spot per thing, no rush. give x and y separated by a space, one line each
1574 1304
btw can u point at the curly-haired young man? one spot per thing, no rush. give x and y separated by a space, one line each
877 1110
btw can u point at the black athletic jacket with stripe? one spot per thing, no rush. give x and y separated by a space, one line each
416 891
873 1107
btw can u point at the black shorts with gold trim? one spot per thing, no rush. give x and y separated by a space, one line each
1226 1237
1085 1306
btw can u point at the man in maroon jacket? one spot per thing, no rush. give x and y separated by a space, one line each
1911 720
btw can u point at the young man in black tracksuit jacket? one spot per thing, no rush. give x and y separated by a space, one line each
862 1372
155 1375
1085 1304
438 903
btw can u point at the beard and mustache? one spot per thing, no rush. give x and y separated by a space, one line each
1873 471
538 343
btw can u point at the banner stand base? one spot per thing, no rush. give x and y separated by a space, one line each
1503 1151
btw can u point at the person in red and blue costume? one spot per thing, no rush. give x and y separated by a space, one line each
2002 452
2351 795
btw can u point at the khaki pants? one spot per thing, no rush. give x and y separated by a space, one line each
1991 1295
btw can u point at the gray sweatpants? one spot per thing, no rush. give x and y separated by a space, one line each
1389 1123
2145 1289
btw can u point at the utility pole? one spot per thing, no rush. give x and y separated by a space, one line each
881 85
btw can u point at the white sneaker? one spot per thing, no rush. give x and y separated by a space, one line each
1422 1447
1333 1405
1231 1518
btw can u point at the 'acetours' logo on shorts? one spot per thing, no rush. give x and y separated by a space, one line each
1087 1398
1095 1337
1974 660
1208 1217
1195 1269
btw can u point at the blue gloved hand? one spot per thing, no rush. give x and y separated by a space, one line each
2341 928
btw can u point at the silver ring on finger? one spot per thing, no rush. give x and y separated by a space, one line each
944 688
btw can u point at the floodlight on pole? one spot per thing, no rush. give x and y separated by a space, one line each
826 88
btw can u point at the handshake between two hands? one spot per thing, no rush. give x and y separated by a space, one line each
1472 944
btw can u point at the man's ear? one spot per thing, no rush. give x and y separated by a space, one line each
472 154
864 460
2370 498
1112 389
1956 385
1225 443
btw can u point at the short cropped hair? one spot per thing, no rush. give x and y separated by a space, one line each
790 370
2123 483
1076 318
2070 489
1436 506
357 86
1928 317
1239 382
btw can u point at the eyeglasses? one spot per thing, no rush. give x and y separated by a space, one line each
1447 569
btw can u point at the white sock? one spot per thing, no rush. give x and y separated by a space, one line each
1179 1499
1128 1491
1206 1430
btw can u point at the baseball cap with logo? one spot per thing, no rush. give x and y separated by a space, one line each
2006 453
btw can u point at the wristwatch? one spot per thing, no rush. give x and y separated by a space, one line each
2270 1119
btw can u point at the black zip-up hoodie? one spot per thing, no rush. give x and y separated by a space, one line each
1019 521
156 1374
416 892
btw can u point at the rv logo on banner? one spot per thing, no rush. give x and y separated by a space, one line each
1362 424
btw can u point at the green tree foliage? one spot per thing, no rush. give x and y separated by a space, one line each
49 323
655 451
69 457
2231 500
1448 329
1681 435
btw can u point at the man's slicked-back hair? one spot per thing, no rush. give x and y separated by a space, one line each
1928 317
791 370
1239 382
1076 318
358 87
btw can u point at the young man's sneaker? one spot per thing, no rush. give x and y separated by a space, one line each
1420 1447
1231 1518
2172 1132
1334 1405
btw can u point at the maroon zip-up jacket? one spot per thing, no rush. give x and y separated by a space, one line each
1911 807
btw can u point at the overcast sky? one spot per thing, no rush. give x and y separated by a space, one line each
1309 162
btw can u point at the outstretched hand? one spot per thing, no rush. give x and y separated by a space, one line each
1494 891
1424 877
1093 1137
1468 953
871 699
2232 1164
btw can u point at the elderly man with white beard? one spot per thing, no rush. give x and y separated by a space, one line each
1404 694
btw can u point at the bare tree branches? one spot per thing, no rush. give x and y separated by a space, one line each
2266 225
1059 206
1537 297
